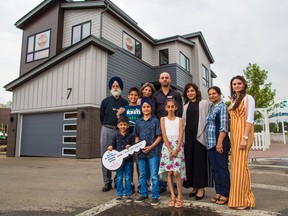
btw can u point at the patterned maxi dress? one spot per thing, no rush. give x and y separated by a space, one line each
240 189
168 163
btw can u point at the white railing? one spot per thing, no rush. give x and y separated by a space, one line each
260 142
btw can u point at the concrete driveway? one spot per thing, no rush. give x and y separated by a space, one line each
68 186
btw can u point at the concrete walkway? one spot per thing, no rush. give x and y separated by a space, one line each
276 150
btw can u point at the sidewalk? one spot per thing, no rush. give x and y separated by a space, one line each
276 150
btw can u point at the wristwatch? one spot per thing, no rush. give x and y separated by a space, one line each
245 137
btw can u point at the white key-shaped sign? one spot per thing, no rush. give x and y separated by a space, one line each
112 160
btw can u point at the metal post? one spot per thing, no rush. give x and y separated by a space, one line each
283 131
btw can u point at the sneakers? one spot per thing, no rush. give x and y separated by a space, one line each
119 199
129 199
154 202
141 199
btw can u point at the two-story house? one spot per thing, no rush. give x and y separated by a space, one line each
69 52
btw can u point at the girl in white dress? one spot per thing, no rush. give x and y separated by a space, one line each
172 162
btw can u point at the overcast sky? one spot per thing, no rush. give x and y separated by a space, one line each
237 32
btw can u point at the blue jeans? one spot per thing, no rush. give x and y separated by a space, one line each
124 171
220 171
153 166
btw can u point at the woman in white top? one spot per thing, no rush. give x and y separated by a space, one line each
241 136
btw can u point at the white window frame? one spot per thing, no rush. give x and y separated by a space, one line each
64 116
68 131
73 143
68 154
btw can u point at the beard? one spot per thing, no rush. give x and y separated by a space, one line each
115 92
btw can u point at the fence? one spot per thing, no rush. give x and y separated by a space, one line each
260 142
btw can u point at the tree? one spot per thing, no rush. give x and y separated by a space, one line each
261 91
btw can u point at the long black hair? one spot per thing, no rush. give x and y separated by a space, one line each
233 93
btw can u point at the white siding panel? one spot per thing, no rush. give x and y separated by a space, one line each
85 73
35 94
74 17
59 97
49 86
76 77
113 30
54 89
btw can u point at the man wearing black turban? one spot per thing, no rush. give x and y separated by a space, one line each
108 109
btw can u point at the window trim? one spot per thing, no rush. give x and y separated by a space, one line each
167 49
81 31
63 140
67 119
63 154
206 78
39 50
187 61
68 131
134 44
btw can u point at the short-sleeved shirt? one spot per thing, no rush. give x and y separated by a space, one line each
219 110
159 100
108 109
133 113
119 142
148 130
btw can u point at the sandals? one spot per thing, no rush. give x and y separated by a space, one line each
222 200
215 198
171 203
178 203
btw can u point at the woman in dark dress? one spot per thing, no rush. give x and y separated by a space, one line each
194 114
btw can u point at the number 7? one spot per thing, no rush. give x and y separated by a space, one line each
69 92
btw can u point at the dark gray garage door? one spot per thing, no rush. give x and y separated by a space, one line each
49 134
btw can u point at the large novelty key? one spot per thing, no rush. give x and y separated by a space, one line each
112 160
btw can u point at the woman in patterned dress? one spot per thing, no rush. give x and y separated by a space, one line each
172 162
241 136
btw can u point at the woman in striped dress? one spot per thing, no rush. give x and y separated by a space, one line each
241 136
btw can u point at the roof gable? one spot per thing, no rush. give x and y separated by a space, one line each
91 40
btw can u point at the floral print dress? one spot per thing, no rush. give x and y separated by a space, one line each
168 163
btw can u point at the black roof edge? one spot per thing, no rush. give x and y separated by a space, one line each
175 38
202 41
91 40
213 75
38 8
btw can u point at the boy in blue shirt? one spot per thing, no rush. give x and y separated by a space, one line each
123 140
133 112
148 128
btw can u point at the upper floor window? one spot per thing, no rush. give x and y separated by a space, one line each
163 57
132 45
184 62
38 46
205 76
81 31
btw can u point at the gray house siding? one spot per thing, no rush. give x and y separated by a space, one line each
132 70
183 77
179 76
